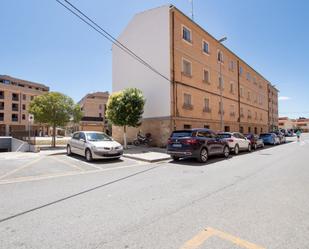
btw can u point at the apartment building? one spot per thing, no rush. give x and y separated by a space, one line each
273 108
203 81
93 107
303 124
286 123
15 97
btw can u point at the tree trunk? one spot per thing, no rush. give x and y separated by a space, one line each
125 137
54 136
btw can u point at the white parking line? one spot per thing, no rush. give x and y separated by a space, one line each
50 176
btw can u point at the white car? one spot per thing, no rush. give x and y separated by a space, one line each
237 141
94 145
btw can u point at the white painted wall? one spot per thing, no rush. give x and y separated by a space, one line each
148 35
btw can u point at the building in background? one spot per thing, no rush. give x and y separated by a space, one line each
203 80
272 108
15 97
93 106
302 124
286 123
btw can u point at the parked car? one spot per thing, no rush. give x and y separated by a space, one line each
94 145
256 141
270 138
196 143
281 136
236 141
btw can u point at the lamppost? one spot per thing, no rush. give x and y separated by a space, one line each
221 83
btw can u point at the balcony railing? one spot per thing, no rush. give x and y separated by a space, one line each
187 106
232 114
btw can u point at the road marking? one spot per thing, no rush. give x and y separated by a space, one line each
201 237
88 164
18 169
50 176
67 163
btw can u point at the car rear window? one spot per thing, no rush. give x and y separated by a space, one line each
182 134
265 135
224 135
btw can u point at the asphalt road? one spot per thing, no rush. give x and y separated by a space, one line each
257 200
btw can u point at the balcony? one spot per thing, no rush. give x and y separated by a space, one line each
249 117
219 112
232 114
242 115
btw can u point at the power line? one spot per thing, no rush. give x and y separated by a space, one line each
108 36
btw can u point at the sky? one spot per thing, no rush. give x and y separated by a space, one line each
43 42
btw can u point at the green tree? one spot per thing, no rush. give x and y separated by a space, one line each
125 109
54 109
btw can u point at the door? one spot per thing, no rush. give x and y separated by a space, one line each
244 142
73 142
210 141
81 143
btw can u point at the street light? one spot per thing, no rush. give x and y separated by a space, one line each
221 81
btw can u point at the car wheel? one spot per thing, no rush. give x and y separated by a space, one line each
236 149
88 155
203 156
175 158
69 151
249 148
226 152
136 142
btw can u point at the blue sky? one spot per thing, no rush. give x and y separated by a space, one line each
42 42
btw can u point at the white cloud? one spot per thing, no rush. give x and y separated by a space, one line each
284 98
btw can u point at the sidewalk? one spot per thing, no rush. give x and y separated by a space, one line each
146 154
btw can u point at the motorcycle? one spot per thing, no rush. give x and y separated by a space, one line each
142 140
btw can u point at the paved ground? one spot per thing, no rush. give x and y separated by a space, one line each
257 200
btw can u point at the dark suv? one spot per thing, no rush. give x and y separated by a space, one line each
196 143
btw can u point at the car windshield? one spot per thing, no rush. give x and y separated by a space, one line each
224 135
248 135
97 137
182 134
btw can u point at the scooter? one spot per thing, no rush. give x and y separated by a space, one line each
142 140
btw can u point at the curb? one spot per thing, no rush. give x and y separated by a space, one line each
145 160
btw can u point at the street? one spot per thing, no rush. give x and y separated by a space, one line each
253 200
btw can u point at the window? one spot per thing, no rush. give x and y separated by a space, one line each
15 97
206 126
187 101
206 76
15 117
100 115
76 136
205 47
261 117
1 94
221 108
249 114
24 97
249 129
249 95
232 87
220 56
254 80
226 129
1 105
1 116
248 76
32 97
206 105
231 66
241 129
100 107
232 111
186 67
241 91
23 117
240 70
14 107
221 83
186 34
241 112
24 107
187 126
256 116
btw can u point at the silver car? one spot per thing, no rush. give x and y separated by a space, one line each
94 145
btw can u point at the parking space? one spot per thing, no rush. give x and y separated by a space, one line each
30 167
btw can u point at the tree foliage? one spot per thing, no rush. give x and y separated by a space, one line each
54 109
126 108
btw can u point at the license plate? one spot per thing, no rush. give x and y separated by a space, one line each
177 145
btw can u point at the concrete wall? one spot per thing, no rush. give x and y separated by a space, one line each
148 35
5 143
